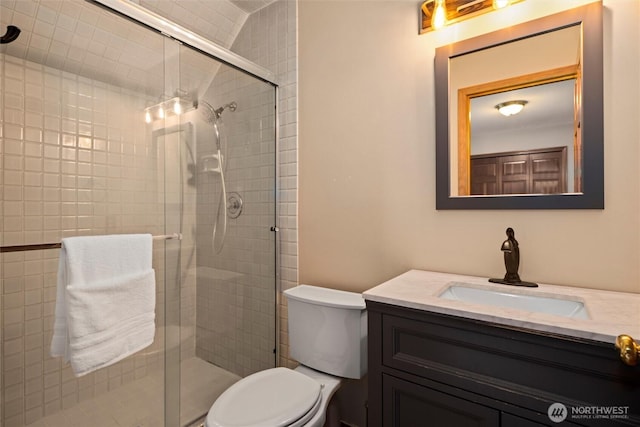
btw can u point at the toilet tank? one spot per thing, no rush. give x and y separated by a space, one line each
328 330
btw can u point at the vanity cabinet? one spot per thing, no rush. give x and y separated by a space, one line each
430 369
412 404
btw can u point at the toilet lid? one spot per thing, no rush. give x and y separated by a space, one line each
276 397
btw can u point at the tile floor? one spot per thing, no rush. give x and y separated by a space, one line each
141 403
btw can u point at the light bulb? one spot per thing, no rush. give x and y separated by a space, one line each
177 107
499 4
147 116
160 113
439 18
511 108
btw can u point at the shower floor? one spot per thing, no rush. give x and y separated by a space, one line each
141 403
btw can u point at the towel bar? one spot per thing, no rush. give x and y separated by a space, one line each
40 246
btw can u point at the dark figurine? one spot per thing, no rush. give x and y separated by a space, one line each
512 262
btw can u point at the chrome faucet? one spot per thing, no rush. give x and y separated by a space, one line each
511 252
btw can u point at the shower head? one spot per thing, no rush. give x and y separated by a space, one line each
207 112
211 115
231 106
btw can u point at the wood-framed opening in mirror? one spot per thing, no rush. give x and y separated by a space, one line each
523 81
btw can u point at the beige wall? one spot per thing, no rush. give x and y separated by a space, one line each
367 148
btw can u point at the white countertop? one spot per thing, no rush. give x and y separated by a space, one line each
611 313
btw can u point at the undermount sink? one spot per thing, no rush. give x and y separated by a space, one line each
520 300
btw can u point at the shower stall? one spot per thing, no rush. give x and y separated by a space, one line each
115 121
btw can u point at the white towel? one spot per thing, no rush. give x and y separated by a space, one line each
105 302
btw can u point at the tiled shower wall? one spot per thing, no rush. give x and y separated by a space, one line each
76 159
236 287
269 38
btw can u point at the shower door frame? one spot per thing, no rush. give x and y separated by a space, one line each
157 23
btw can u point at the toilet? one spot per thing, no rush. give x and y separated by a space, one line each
328 337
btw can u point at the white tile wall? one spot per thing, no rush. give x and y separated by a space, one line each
269 38
75 36
76 160
236 288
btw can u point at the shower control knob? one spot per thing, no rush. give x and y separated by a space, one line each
275 229
234 205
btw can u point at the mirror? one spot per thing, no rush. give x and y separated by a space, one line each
548 156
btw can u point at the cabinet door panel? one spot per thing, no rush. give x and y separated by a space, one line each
509 420
410 405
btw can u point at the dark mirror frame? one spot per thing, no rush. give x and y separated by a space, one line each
592 126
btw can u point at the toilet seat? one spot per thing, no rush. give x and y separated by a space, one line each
275 397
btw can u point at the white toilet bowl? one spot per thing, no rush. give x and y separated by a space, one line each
277 397
328 336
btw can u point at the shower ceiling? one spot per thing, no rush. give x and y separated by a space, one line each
81 38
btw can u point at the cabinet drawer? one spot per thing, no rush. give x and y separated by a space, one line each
423 347
509 420
410 405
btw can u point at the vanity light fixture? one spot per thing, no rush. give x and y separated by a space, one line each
439 18
499 4
511 108
436 14
171 107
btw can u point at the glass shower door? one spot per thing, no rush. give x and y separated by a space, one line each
217 173
76 158
229 298
86 150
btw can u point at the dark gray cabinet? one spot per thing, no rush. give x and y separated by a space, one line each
416 406
428 369
508 420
